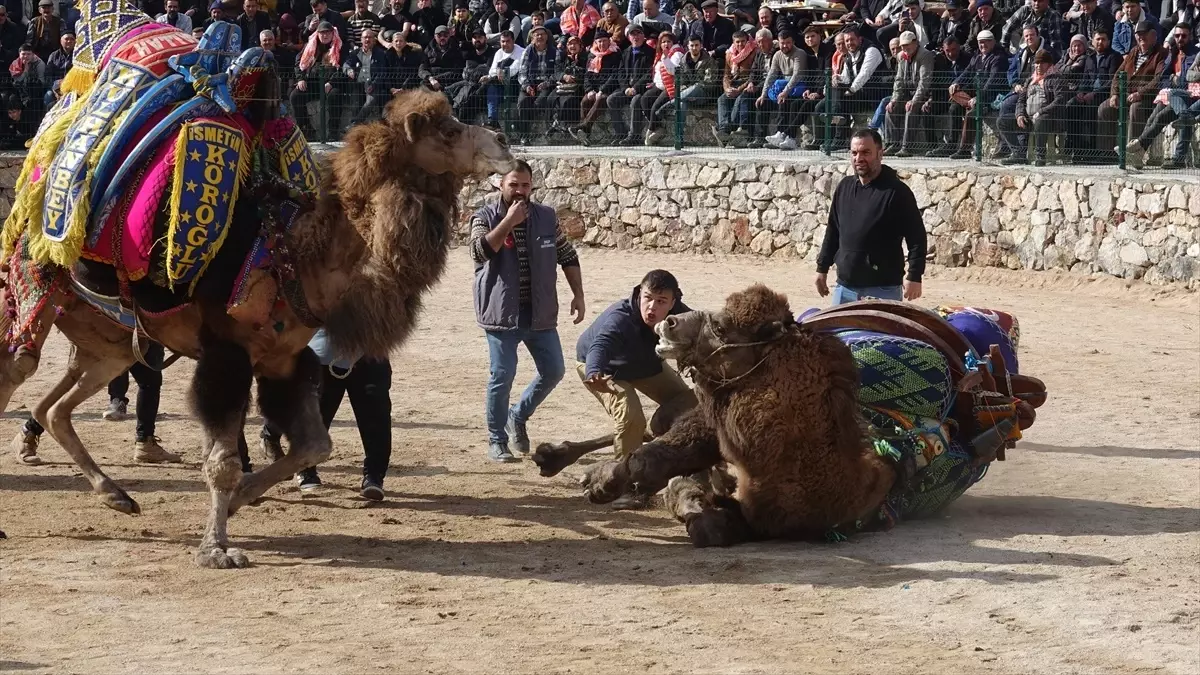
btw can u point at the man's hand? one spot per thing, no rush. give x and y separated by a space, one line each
953 89
912 289
630 91
601 384
1022 121
578 308
518 211
1112 101
926 107
302 85
891 106
434 84
820 281
531 91
782 98
908 106
350 73
1135 97
758 102
328 88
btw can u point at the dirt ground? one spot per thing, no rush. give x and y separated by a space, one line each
1080 554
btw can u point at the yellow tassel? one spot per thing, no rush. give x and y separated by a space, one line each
27 206
78 80
176 198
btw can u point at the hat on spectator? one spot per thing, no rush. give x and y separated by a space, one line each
985 34
1043 56
45 3
908 37
1079 38
387 35
215 4
440 29
1144 27
951 4
537 28
478 31
634 28
983 3
601 33
912 3
324 25
708 3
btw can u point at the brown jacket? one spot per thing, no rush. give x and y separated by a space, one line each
1145 79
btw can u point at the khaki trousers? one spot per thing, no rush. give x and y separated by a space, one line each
625 408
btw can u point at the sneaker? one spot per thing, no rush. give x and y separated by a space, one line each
148 450
788 143
372 489
25 443
308 480
517 434
1135 155
654 137
498 452
118 410
775 139
721 136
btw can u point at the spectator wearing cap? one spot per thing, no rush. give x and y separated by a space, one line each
252 21
783 91
468 96
1174 100
174 17
503 19
1143 67
57 67
913 17
537 78
319 71
955 21
948 64
443 63
1047 21
462 25
1086 17
424 21
986 19
603 76
1040 106
715 31
910 103
1020 67
1124 30
634 79
989 66
216 12
359 19
567 94
45 30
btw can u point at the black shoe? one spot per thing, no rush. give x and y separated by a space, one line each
517 434
498 452
961 154
813 146
1172 164
1014 159
940 151
308 480
372 489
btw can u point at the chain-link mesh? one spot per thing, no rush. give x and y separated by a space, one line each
965 117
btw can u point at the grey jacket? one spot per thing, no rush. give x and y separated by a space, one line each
913 77
498 278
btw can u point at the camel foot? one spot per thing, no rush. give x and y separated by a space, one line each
2 535
605 482
221 559
118 500
552 459
716 527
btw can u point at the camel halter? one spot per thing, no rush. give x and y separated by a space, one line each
693 369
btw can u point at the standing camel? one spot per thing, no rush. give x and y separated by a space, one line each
356 260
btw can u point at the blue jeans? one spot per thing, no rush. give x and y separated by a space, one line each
880 111
842 294
546 350
734 113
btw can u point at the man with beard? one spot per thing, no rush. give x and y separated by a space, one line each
467 95
443 64
176 18
871 212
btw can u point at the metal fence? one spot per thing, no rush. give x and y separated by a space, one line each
972 117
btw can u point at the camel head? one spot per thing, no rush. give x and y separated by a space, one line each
438 144
729 344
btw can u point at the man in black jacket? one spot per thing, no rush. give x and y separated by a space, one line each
443 64
634 78
615 358
871 212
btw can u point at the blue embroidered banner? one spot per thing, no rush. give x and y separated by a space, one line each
208 164
296 162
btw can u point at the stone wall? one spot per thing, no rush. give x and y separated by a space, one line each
975 215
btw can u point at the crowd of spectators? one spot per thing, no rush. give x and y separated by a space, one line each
595 71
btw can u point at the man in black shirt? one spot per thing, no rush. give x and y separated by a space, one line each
871 212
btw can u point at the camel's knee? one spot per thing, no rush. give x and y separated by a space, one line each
223 469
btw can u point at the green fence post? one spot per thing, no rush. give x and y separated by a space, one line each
680 120
1122 117
324 102
827 118
979 103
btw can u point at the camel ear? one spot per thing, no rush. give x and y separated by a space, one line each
412 124
773 330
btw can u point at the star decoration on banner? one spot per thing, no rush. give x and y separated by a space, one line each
191 187
194 155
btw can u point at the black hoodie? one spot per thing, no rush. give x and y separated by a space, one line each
866 225
620 344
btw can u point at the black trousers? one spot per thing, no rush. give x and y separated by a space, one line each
149 381
368 386
532 108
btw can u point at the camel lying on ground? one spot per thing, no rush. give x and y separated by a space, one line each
357 259
786 442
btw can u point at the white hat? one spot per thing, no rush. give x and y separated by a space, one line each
908 37
986 35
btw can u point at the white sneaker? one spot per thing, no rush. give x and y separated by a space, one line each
775 139
788 143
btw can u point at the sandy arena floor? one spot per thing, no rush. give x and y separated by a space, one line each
1080 554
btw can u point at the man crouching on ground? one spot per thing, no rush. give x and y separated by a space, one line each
616 360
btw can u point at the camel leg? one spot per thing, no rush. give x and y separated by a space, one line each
711 520
91 366
551 459
688 447
293 406
21 364
219 393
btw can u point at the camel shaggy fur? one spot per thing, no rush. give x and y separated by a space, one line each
778 405
375 240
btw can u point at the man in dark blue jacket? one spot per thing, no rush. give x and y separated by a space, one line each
616 358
